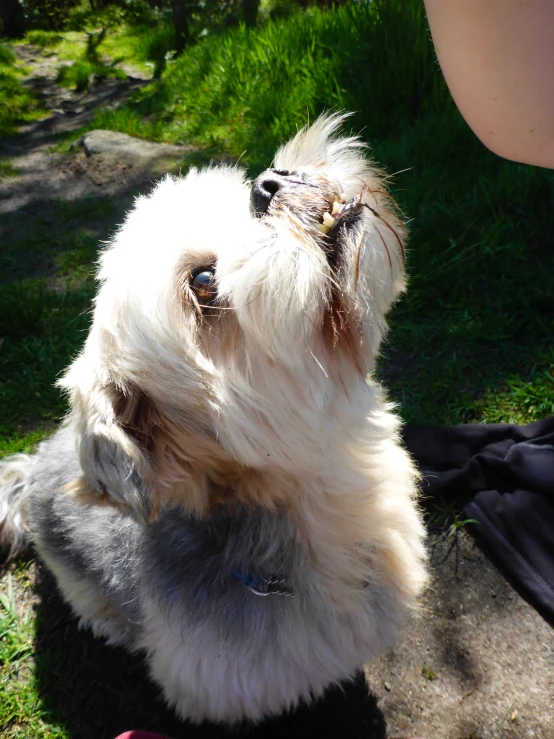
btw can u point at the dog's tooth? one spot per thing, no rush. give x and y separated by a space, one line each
323 228
343 197
336 208
328 220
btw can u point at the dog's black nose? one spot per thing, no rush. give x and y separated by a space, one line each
264 188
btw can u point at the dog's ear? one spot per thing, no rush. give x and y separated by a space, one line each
113 427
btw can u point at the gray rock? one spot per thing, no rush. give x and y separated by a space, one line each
120 146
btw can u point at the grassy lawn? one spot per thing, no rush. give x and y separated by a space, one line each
44 303
17 104
471 340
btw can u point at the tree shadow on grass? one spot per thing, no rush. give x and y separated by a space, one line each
36 237
97 692
47 262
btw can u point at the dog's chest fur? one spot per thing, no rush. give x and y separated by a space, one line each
203 567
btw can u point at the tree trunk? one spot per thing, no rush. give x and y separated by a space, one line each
181 11
250 12
12 17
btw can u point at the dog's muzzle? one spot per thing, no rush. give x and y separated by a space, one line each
313 201
268 184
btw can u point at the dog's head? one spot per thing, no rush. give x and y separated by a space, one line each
235 324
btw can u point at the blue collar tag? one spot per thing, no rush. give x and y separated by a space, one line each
263 586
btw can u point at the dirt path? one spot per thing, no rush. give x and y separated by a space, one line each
479 662
43 174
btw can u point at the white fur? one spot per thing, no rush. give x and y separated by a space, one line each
88 604
258 397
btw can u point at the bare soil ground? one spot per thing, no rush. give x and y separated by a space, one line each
477 664
44 174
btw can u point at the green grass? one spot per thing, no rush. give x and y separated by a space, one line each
7 57
7 169
146 47
43 38
471 339
44 309
71 46
100 42
428 673
143 47
17 104
89 61
80 74
21 710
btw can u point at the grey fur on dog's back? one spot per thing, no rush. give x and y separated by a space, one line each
92 541
182 568
189 564
180 561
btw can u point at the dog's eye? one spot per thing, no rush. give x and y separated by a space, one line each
202 283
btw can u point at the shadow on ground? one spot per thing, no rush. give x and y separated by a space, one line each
476 663
97 691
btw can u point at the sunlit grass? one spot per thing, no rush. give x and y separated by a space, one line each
17 104
42 38
22 710
80 74
142 48
145 47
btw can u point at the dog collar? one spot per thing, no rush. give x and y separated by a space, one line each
263 585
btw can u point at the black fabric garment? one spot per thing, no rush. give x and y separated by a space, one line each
503 476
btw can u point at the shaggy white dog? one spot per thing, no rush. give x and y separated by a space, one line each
224 442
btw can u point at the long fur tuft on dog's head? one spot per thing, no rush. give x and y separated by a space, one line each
234 326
